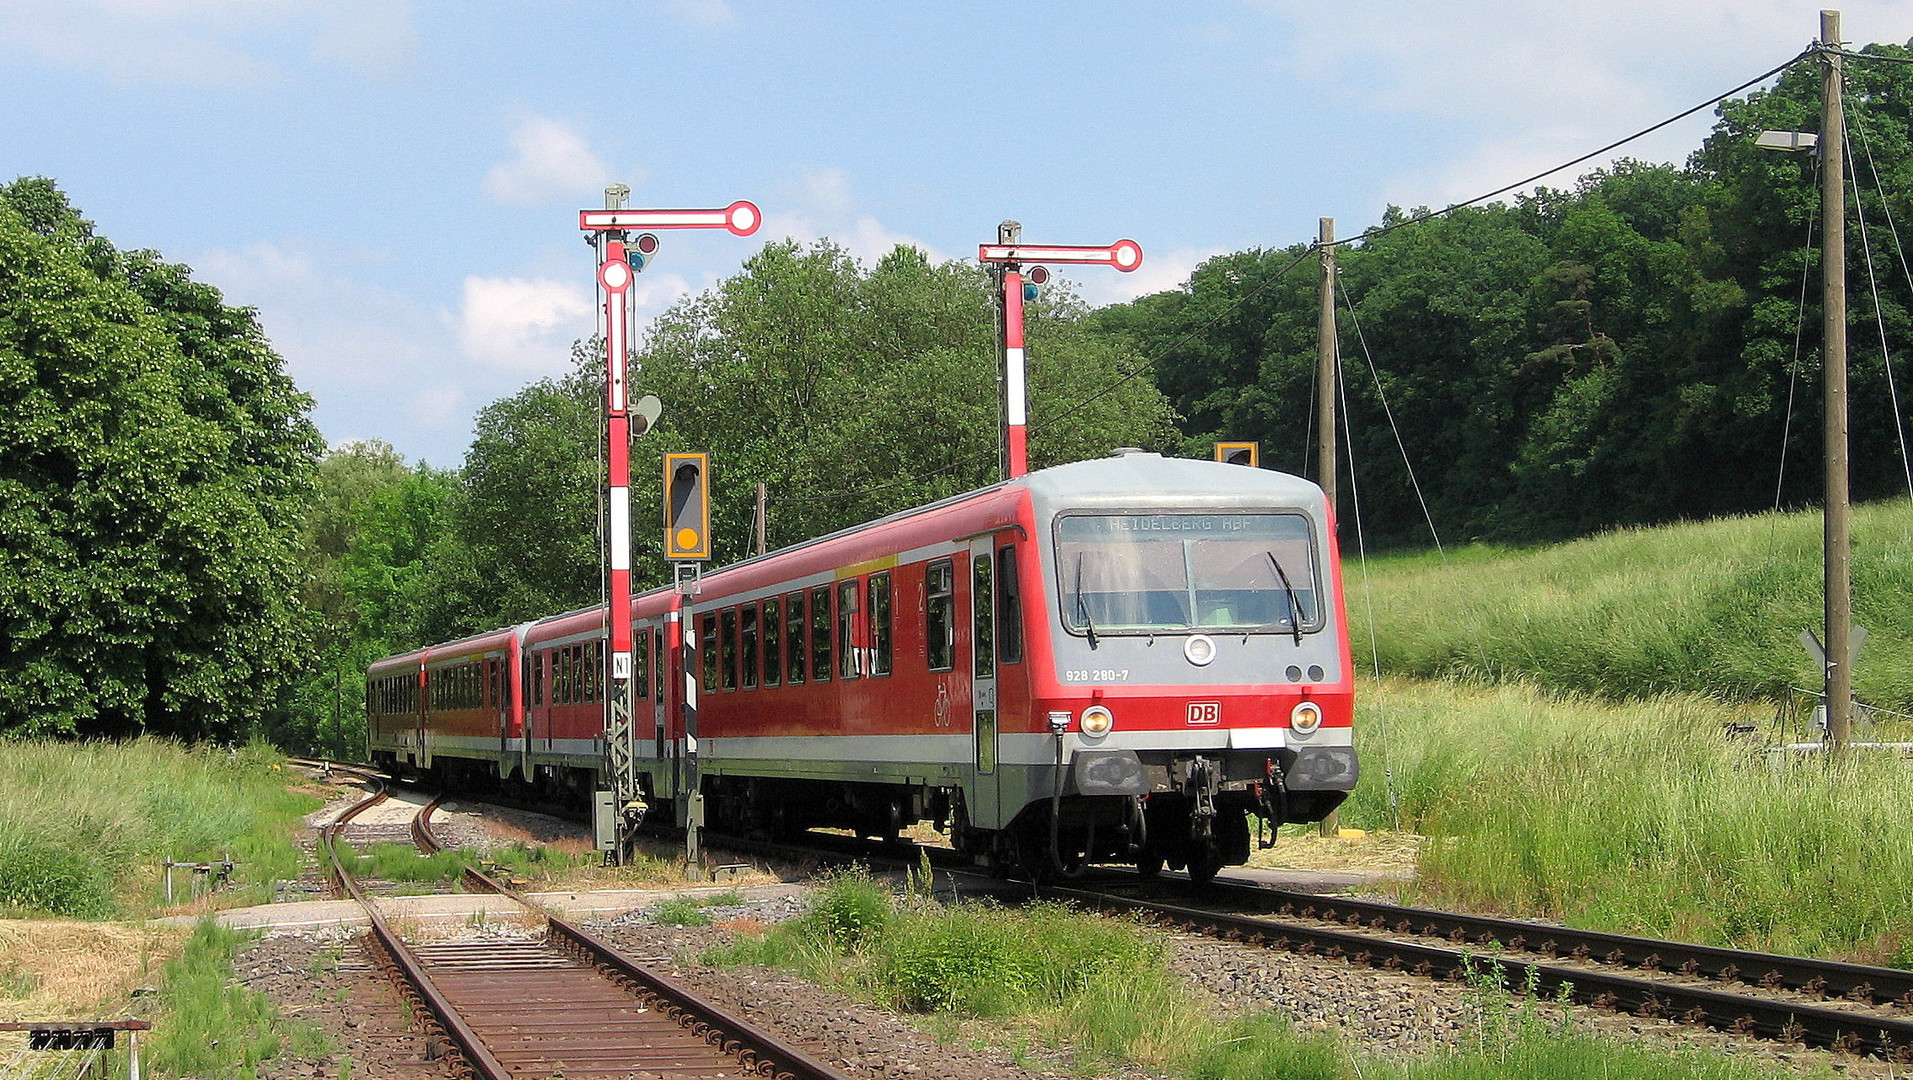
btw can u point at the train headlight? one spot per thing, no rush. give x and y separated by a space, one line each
1305 718
1199 649
1097 721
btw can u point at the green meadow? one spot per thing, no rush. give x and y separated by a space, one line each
1713 608
1559 721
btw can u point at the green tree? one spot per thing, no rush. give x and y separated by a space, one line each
156 463
850 393
368 534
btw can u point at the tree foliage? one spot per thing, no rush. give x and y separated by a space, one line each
156 463
1621 352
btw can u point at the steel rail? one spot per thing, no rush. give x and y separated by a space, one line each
1814 1025
1861 983
481 1061
756 1049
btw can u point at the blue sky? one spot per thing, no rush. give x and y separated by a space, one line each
394 184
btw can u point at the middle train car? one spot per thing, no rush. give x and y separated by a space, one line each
1124 659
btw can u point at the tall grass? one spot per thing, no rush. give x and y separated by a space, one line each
1712 607
213 1026
1104 990
84 826
1640 818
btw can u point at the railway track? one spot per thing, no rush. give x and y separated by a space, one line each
1849 1008
567 1004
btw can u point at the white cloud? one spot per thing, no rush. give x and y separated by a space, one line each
1159 272
704 12
332 328
1515 87
205 42
523 325
823 205
553 161
375 35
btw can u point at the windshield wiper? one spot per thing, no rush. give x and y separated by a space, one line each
1295 606
1082 606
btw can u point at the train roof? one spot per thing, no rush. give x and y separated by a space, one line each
1136 478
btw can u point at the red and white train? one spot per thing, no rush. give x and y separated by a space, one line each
1117 660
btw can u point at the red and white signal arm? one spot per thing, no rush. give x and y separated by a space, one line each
1124 255
741 218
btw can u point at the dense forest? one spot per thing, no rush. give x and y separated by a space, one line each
1622 352
1628 349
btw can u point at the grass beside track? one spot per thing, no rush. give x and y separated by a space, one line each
1713 607
1640 818
85 826
1047 975
211 1026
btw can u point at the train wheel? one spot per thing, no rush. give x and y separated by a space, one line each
1205 859
1149 863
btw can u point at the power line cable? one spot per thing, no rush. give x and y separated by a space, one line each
1420 218
1368 603
1428 515
1617 144
1879 316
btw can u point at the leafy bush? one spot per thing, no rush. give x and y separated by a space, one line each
849 912
37 876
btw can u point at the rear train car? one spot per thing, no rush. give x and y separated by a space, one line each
1126 659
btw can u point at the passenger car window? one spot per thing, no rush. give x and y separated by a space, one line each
847 629
794 651
939 615
820 634
879 609
773 643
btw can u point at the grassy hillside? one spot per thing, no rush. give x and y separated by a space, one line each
1640 817
1713 608
84 826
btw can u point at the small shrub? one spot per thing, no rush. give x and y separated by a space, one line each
39 876
680 911
849 912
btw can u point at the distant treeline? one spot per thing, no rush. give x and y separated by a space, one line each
1623 352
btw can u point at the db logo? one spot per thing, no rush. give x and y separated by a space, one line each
1205 712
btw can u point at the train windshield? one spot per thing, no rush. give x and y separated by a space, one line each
1137 573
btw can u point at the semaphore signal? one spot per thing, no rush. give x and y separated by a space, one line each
621 256
1008 256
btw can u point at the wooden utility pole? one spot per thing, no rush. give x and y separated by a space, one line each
1833 279
1328 373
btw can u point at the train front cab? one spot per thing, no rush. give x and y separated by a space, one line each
1194 673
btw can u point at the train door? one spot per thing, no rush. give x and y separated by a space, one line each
986 809
525 676
495 690
422 758
660 665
